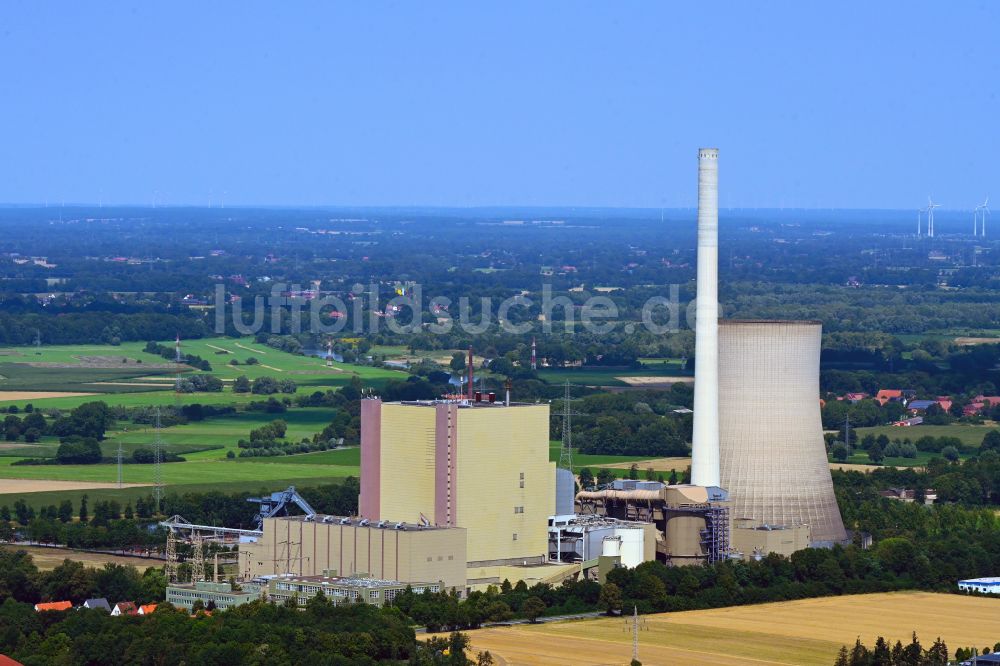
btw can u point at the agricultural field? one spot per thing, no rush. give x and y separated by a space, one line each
208 439
860 457
180 473
203 444
213 437
595 376
971 435
117 374
402 353
806 632
960 336
581 460
123 496
47 559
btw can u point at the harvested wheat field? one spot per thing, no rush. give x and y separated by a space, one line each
47 559
652 381
658 464
968 342
11 486
38 395
802 632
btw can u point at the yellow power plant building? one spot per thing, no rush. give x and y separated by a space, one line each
481 466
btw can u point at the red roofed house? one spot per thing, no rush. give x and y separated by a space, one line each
7 661
889 395
124 608
54 606
944 402
991 400
147 609
854 397
895 395
972 408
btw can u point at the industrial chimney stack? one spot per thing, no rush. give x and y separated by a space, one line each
705 440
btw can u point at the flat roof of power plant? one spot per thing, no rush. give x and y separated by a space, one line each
362 522
345 581
463 402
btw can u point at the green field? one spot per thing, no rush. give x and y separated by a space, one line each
204 444
209 439
308 372
126 495
24 377
594 376
349 457
183 473
971 435
949 335
861 458
581 460
219 434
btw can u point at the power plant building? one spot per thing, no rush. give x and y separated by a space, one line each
477 465
773 456
692 521
317 545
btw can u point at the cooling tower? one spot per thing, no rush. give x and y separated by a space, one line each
705 437
773 455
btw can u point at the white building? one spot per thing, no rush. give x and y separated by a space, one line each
984 585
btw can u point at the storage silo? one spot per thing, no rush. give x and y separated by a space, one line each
772 453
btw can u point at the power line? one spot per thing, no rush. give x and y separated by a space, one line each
120 456
157 463
566 449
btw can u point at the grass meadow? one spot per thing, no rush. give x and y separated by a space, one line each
971 435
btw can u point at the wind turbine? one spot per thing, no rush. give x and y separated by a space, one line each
930 216
919 213
984 208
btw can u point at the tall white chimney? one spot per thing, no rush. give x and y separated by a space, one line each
705 441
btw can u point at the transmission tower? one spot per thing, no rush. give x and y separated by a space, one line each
847 432
566 450
170 569
198 559
637 625
157 463
119 457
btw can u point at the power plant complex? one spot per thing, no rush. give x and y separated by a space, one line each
459 493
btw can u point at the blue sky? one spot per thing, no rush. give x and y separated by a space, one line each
838 104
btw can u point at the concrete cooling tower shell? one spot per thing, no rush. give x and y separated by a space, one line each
773 457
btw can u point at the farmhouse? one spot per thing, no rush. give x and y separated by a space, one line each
894 395
124 608
97 604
